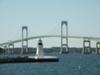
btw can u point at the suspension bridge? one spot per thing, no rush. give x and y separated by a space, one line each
64 40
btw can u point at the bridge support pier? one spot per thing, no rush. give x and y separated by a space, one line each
10 47
24 39
5 48
86 46
98 47
64 38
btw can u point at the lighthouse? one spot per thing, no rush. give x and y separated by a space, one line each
40 57
39 51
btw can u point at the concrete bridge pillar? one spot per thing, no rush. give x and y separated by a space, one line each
64 41
5 47
86 46
98 47
24 39
10 47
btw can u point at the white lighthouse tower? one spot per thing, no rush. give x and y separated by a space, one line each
40 57
39 51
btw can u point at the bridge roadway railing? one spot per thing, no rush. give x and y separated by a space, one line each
49 36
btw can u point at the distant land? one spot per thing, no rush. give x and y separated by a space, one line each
46 50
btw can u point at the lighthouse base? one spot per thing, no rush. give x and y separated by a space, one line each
44 58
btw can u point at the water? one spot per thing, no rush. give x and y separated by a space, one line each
69 64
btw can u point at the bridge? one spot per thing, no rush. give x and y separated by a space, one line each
24 40
52 36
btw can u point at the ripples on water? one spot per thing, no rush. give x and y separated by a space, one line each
69 64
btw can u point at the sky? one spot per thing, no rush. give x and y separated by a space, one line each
44 17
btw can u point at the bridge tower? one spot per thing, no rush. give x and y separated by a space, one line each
24 39
98 47
86 46
64 41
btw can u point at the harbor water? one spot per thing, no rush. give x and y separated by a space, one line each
69 64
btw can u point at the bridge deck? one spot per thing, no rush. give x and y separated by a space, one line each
57 36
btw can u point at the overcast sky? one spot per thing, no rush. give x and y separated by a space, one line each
45 16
